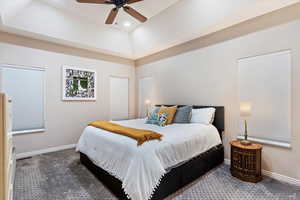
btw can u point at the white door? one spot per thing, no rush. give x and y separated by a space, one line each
146 93
119 98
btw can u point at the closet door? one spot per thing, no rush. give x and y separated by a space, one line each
146 93
119 98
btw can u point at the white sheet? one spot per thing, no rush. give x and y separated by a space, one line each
140 168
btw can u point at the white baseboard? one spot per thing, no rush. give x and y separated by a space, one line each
227 161
274 175
282 178
43 151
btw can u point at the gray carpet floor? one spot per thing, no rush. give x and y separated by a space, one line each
60 176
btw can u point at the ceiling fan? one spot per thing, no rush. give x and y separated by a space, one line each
119 4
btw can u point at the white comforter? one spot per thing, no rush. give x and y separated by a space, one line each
140 168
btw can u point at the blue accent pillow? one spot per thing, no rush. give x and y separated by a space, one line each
183 115
157 119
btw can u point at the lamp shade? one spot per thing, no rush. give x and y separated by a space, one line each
147 102
245 109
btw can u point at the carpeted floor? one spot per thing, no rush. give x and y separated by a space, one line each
60 176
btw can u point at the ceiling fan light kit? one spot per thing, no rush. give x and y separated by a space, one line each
118 4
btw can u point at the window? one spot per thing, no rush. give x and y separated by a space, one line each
265 81
26 88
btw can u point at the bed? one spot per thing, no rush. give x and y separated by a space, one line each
157 168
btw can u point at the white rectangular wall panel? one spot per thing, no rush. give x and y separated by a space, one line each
119 98
26 88
265 81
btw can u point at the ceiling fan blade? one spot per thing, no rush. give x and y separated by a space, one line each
112 16
133 1
135 14
95 1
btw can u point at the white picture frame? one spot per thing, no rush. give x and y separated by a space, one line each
78 84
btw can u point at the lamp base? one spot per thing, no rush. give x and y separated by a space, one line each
245 142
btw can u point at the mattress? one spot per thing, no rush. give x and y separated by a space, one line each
140 168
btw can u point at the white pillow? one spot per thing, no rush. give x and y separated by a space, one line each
203 115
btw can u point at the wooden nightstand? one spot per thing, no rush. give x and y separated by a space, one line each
246 161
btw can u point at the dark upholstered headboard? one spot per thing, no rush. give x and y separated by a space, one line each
219 121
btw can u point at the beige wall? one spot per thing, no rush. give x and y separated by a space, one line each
202 71
65 121
206 73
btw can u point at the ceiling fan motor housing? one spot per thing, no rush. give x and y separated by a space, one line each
119 3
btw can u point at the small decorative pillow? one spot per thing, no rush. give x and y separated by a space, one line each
170 111
203 115
183 115
157 119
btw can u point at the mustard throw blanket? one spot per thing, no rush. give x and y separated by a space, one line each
139 135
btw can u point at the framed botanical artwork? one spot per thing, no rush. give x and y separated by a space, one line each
78 84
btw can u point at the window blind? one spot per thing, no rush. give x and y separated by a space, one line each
265 81
26 87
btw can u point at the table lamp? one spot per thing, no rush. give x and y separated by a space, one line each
245 111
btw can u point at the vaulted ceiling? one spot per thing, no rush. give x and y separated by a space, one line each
170 23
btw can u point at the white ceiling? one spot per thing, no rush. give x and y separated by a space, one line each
190 19
171 22
97 13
